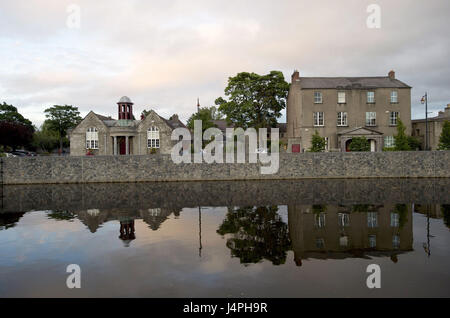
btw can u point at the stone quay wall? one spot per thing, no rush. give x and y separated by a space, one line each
149 168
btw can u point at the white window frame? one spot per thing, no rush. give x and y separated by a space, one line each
396 241
395 219
372 219
343 219
372 241
341 98
370 97
318 117
342 119
153 140
393 118
394 97
318 97
92 138
327 143
389 141
320 220
371 119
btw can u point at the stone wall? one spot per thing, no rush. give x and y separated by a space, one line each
91 169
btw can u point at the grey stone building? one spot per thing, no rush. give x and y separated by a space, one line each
340 108
100 135
435 125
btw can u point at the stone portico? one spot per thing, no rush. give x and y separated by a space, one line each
374 137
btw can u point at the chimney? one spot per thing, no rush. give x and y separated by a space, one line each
174 117
391 74
295 76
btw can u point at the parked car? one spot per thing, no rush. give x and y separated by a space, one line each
9 155
23 153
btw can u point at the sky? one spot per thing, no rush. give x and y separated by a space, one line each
165 54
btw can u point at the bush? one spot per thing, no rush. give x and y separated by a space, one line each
317 143
444 139
359 144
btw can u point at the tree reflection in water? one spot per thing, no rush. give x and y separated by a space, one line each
257 233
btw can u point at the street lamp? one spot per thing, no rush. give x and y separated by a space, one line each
424 100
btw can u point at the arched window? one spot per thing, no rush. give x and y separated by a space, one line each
153 137
92 138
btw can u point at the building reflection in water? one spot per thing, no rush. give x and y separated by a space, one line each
257 233
338 232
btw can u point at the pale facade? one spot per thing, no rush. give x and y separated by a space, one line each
100 135
340 108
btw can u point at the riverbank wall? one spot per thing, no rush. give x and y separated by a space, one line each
100 169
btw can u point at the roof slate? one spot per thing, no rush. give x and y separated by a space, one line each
351 82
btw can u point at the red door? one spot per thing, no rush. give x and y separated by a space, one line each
122 146
296 148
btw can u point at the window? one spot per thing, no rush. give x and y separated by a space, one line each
372 241
327 143
153 137
341 97
343 219
372 219
320 243
394 97
393 118
395 241
343 241
92 138
154 212
389 141
395 219
320 220
371 118
370 97
318 98
318 119
342 118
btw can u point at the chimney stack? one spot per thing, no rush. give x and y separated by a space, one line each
391 74
295 76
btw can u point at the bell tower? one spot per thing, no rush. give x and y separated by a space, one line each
125 108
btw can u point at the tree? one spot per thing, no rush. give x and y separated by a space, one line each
45 140
317 143
15 134
414 143
60 119
359 144
206 115
444 138
257 233
10 114
401 139
254 100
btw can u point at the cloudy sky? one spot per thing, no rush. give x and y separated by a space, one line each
165 54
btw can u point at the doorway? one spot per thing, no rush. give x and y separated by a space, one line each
373 145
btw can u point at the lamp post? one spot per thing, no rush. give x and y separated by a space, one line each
425 101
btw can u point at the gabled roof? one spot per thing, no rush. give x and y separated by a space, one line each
359 131
351 82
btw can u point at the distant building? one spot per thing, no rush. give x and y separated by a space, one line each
341 108
435 125
102 135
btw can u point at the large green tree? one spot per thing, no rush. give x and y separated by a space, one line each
444 138
15 130
60 119
206 115
9 113
256 233
254 100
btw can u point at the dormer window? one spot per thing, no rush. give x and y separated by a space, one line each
92 138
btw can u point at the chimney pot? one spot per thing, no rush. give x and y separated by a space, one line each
392 74
295 76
